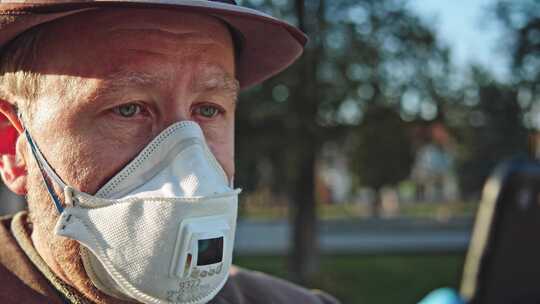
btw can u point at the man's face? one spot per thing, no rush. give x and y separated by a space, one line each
115 80
118 78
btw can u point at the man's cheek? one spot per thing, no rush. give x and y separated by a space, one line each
84 163
98 163
105 152
224 153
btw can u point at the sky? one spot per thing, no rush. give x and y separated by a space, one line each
467 27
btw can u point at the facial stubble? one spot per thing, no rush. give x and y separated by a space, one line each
64 253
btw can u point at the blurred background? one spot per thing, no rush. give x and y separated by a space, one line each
363 164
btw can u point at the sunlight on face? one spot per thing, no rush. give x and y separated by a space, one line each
127 82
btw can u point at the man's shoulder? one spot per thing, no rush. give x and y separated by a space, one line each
247 286
21 281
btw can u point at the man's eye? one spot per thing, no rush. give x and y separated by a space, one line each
207 111
128 110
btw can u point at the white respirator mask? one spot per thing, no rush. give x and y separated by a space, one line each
162 229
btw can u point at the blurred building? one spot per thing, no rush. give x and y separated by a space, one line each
433 171
432 178
334 181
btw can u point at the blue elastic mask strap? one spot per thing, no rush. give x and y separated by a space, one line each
46 170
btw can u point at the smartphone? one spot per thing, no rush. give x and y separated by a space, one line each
503 260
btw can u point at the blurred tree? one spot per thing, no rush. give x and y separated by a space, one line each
522 23
495 116
389 157
521 20
493 131
361 52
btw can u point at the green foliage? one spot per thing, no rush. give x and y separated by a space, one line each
381 153
522 22
360 53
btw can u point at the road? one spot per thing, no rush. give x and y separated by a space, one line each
368 236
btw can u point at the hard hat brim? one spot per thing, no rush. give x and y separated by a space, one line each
268 45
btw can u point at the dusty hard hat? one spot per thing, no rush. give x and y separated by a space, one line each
266 45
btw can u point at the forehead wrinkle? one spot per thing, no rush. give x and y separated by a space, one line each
170 40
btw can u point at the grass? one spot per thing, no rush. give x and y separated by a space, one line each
372 279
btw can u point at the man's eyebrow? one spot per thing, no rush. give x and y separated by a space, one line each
211 78
215 78
117 82
129 79
135 78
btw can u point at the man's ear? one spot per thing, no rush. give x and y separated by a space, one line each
12 165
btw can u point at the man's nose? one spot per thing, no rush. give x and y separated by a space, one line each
176 112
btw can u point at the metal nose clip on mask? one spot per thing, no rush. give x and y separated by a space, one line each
162 229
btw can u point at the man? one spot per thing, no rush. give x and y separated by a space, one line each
120 134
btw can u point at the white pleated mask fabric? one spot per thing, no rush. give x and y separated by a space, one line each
162 229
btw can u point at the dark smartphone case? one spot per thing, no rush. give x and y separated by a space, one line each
503 260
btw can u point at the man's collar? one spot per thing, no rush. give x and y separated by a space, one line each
21 233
